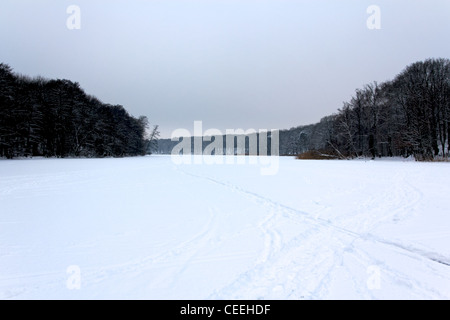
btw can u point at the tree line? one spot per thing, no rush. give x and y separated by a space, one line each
408 116
56 118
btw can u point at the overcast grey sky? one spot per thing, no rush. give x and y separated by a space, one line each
232 64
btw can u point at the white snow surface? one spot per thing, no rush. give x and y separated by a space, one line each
146 228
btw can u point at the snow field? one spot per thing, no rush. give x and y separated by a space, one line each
145 228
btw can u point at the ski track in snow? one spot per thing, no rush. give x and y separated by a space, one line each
308 263
279 257
177 259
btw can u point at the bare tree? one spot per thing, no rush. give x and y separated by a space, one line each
153 140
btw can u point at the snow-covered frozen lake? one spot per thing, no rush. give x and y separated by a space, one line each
146 228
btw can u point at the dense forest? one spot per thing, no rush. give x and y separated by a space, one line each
56 118
408 116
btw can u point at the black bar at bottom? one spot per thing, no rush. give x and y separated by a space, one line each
209 309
